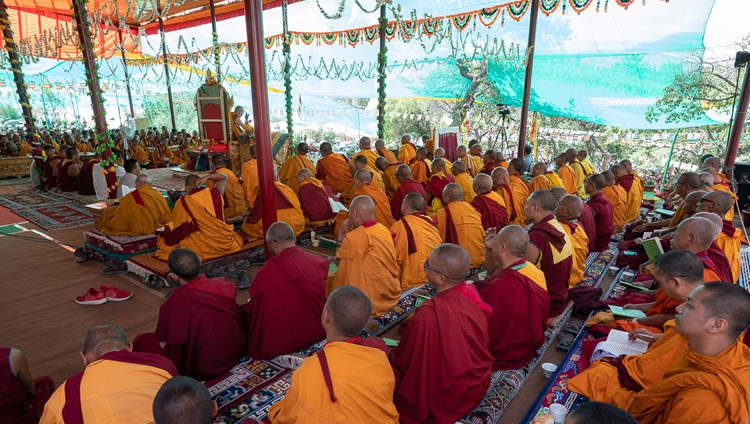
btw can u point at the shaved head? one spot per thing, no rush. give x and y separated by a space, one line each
730 302
458 167
182 400
545 199
500 177
482 183
191 182
618 170
597 180
691 201
101 339
438 165
538 169
280 231
558 192
381 163
184 263
364 206
363 176
715 220
379 144
516 164
515 238
304 174
219 160
609 177
415 201
364 143
694 234
707 178
451 260
142 179
721 201
361 160
570 207
325 147
403 171
453 193
350 310
439 152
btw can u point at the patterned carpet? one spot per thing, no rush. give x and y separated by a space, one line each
57 216
26 199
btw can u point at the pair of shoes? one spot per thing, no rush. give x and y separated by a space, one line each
154 281
565 341
243 280
224 272
103 295
573 327
247 263
114 268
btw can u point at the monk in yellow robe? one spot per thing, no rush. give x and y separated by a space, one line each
714 182
730 239
521 188
250 181
567 213
141 212
459 223
136 152
408 151
473 163
635 193
360 162
356 384
538 180
364 187
501 185
619 199
388 171
440 154
162 156
687 183
367 258
571 155
712 381
566 174
334 169
288 209
416 236
234 195
198 222
288 171
421 167
464 180
365 149
383 152
588 167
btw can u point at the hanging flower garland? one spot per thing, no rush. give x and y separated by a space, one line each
336 15
104 147
287 53
382 62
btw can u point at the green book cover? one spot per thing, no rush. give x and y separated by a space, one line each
629 313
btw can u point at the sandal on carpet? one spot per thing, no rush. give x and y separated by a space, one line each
565 341
573 327
154 281
224 272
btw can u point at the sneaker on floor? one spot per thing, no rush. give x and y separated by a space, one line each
114 294
92 297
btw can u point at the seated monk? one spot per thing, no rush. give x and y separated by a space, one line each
349 379
440 154
435 186
603 211
550 248
334 169
385 153
730 238
408 151
407 185
416 236
679 272
183 398
250 181
367 257
234 196
687 183
198 222
360 162
619 200
489 162
86 176
472 163
314 197
162 155
50 167
135 151
459 223
635 195
696 234
567 213
288 210
538 180
713 183
67 171
712 381
22 397
421 167
464 180
288 171
501 185
521 188
141 212
519 302
286 297
566 174
571 156
488 203
365 149
388 171
201 327
447 337
116 386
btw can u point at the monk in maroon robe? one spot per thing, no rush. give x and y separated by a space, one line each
21 398
50 166
442 364
435 186
489 204
587 221
86 178
722 268
201 327
603 211
314 197
408 185
286 297
67 171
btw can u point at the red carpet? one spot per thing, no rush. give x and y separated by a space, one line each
8 217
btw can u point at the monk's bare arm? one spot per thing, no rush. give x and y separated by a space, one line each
656 320
218 178
20 366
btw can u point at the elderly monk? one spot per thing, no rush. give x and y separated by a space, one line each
360 162
50 167
459 223
550 248
440 154
234 196
603 211
488 203
619 200
518 297
519 186
141 212
719 185
67 171
117 385
286 297
715 163
634 189
334 169
416 236
135 151
538 180
711 382
288 210
201 327
567 212
473 163
439 179
687 182
349 379
730 239
714 252
489 162
315 197
501 184
696 234
571 156
182 398
407 185
364 187
385 153
464 180
420 166
408 151
365 149
367 257
198 222
288 171
250 181
447 338
679 272
388 171
566 174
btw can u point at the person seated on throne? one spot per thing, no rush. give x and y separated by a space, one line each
238 126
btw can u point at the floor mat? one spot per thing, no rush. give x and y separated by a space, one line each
55 217
8 217
27 199
10 229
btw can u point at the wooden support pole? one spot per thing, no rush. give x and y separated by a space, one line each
15 62
527 79
166 71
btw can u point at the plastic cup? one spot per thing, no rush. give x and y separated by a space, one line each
315 243
549 368
613 270
559 412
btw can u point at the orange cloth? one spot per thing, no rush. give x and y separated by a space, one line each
371 156
250 181
423 236
448 166
503 163
420 171
234 195
82 147
474 164
468 228
138 154
534 274
25 149
568 177
212 236
540 182
677 217
663 304
367 261
510 202
520 194
467 185
288 171
730 215
160 154
292 216
580 242
362 382
390 181
619 199
140 212
388 155
635 197
554 179
406 153
730 245
697 389
382 204
335 171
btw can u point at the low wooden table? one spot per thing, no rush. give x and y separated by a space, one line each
98 210
15 166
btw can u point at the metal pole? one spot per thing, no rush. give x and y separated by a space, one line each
527 79
739 120
256 53
117 99
669 159
381 73
287 51
215 38
127 77
89 61
166 71
15 63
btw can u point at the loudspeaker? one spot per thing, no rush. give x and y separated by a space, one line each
742 175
